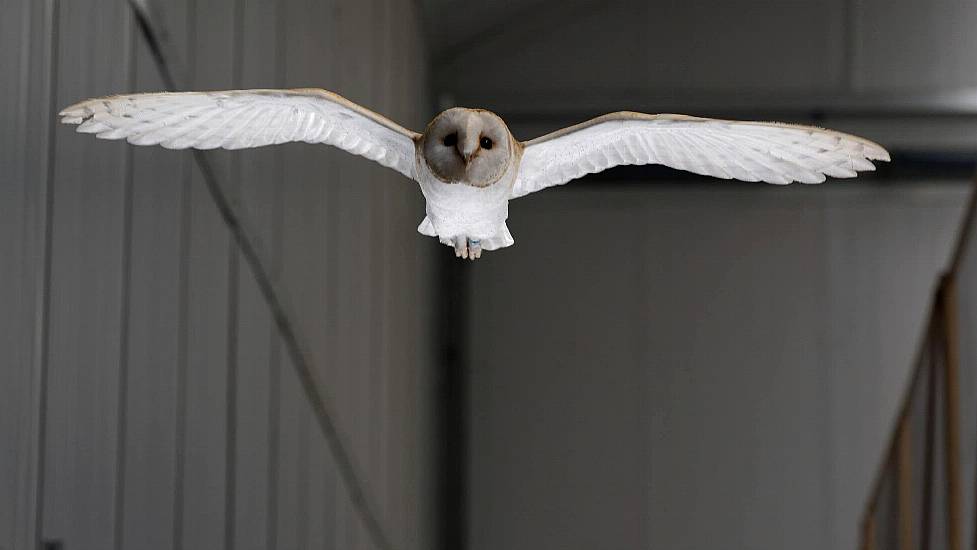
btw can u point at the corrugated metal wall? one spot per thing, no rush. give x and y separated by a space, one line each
132 333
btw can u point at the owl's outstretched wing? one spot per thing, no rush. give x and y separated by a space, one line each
749 151
246 118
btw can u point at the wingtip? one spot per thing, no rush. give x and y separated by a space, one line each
75 109
71 114
70 109
874 151
86 108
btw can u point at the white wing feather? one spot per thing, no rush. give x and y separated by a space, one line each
246 118
750 151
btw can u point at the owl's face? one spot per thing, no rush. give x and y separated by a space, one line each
467 146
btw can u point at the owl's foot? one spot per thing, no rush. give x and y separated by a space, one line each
474 249
469 249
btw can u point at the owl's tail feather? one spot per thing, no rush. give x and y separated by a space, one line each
427 228
501 239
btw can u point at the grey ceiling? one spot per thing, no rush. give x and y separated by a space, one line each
452 24
865 66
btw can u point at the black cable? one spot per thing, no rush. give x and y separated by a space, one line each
273 299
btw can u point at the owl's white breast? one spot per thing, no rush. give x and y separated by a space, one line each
457 209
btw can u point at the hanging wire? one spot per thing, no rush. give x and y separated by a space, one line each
273 297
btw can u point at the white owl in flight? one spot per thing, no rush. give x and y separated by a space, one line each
467 162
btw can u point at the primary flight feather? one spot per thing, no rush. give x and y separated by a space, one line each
467 162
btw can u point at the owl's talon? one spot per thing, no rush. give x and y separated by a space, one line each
461 247
466 248
474 249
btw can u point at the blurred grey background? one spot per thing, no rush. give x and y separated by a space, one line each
661 361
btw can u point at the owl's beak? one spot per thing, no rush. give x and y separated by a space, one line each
467 148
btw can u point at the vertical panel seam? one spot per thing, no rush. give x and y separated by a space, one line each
182 355
124 309
230 441
332 246
26 495
274 356
233 288
641 352
823 351
184 314
43 298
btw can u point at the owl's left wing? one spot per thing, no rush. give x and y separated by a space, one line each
749 151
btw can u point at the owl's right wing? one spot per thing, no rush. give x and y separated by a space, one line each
730 149
247 118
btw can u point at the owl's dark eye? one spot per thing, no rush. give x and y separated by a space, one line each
486 143
450 140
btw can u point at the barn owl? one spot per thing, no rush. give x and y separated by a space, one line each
467 163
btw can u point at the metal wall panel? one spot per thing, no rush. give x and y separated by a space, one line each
156 360
88 288
258 360
311 492
25 132
211 281
15 295
173 419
